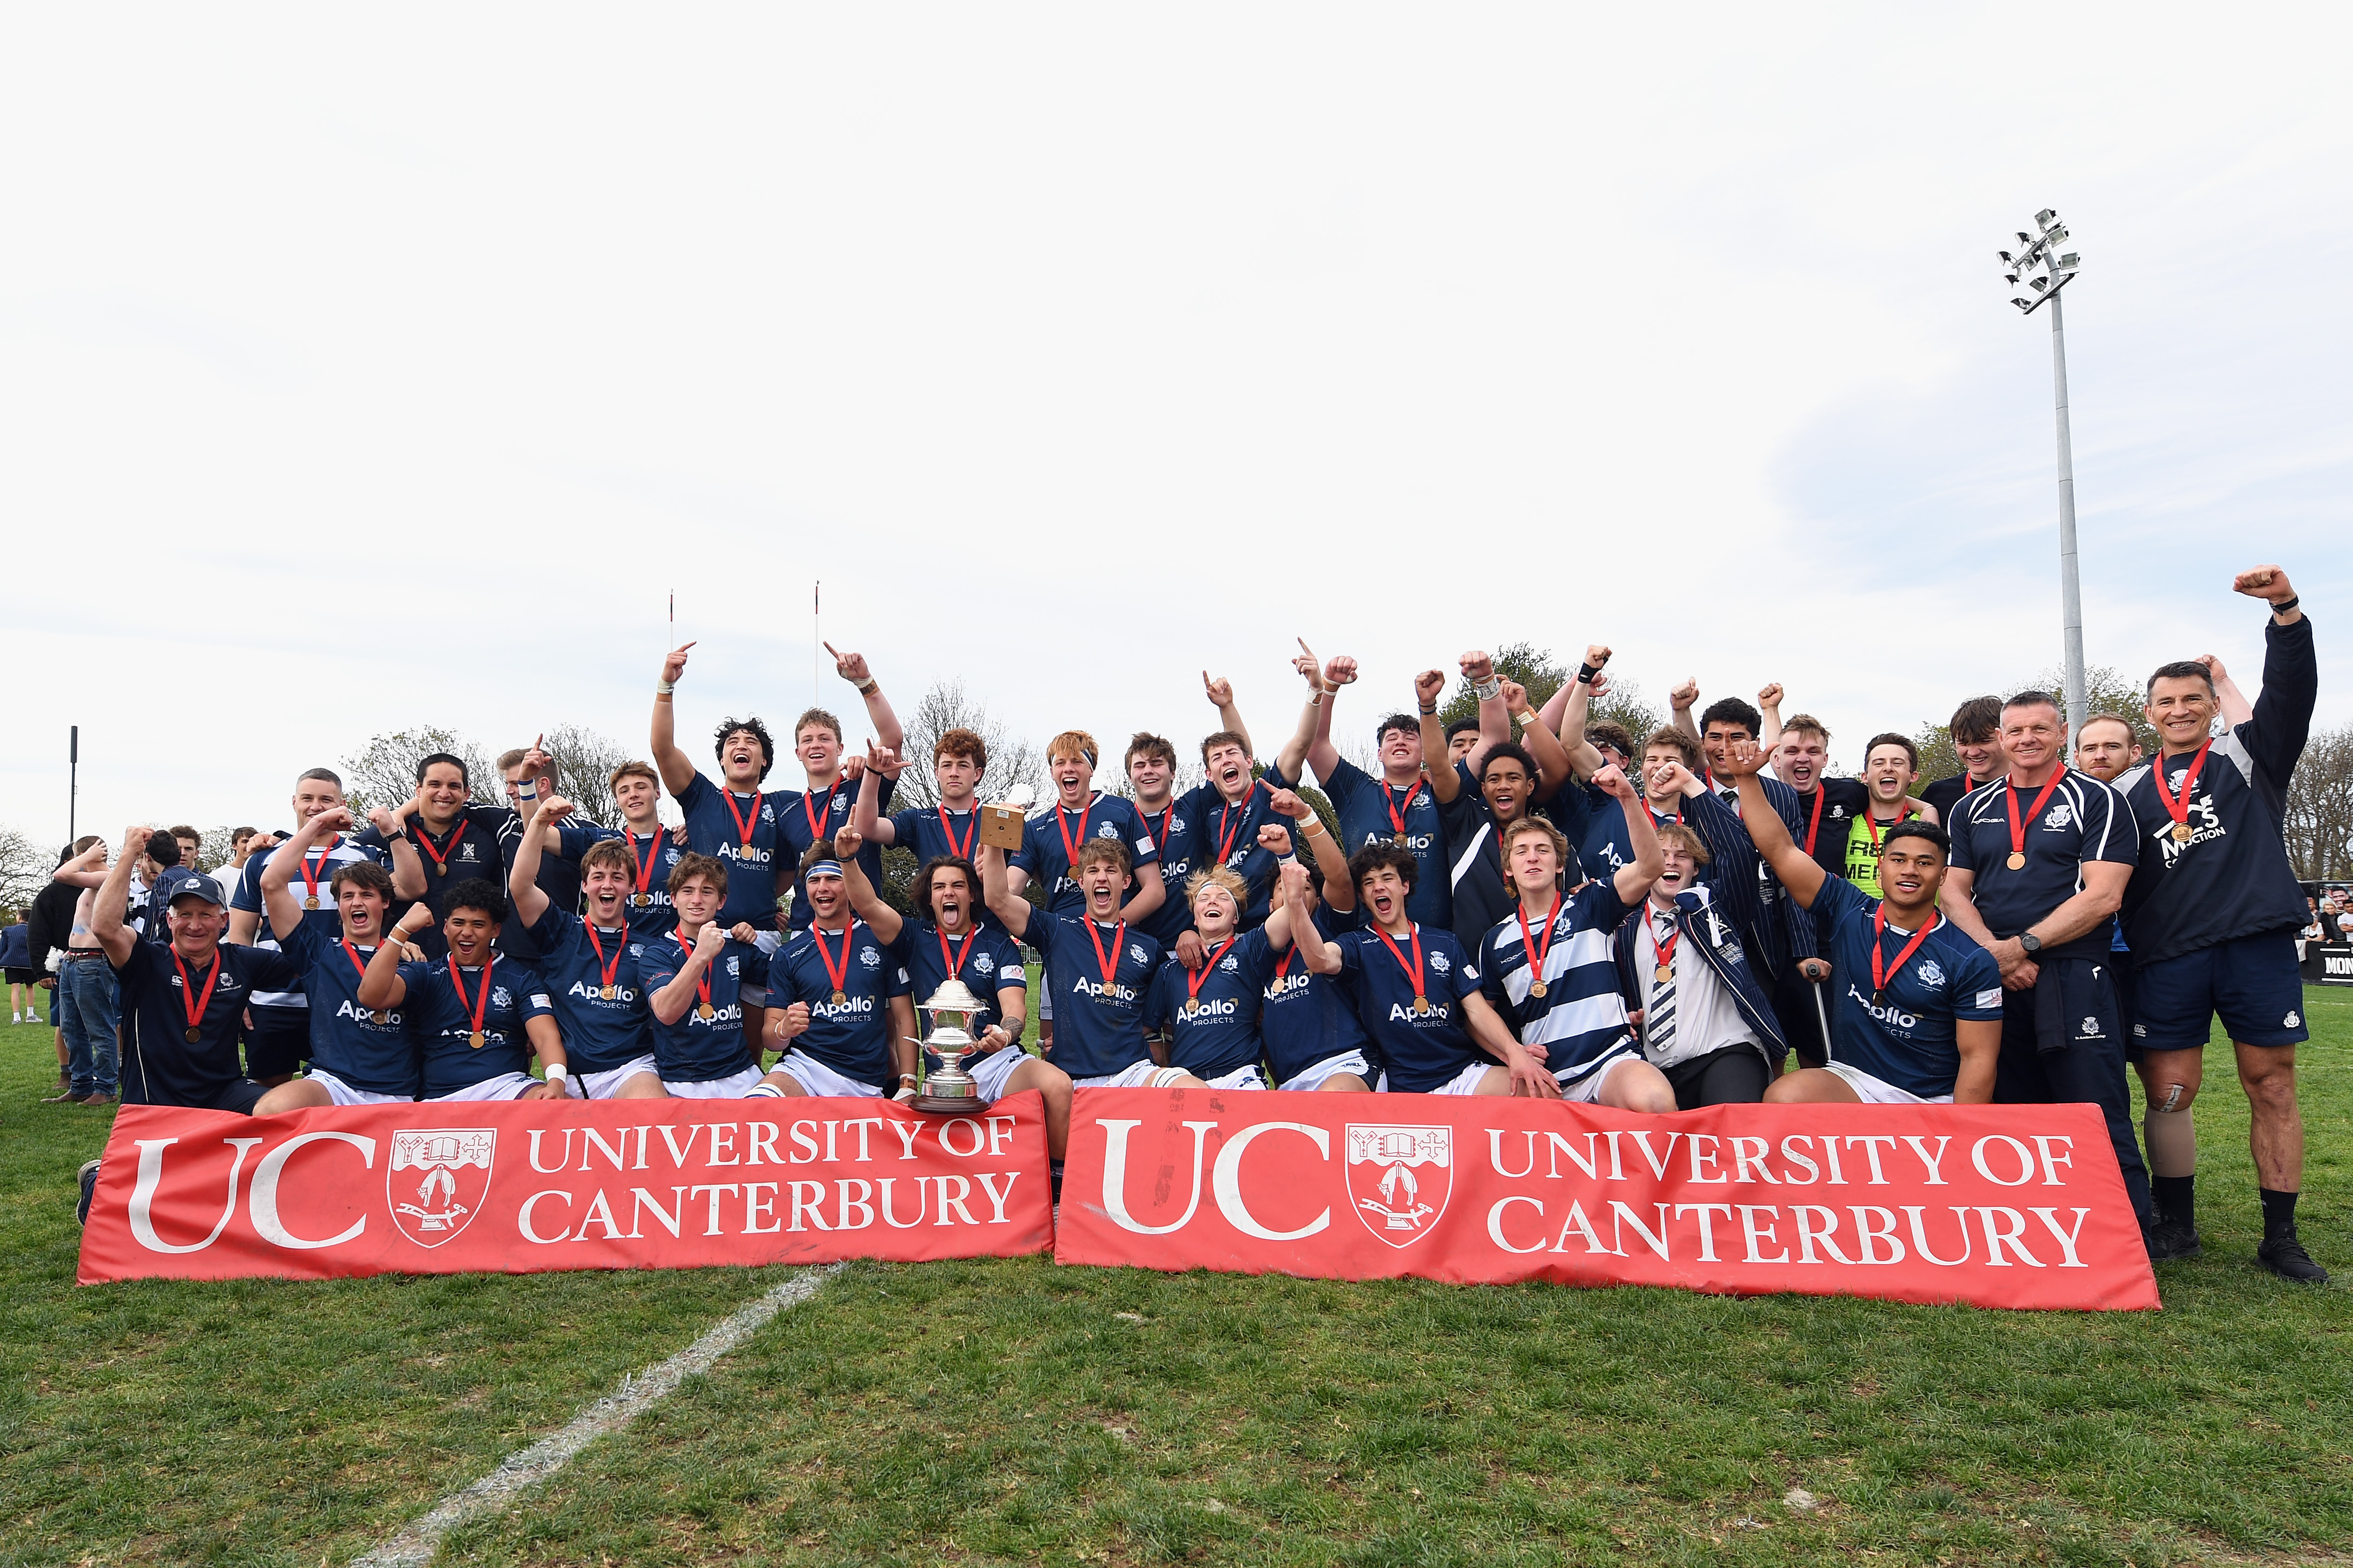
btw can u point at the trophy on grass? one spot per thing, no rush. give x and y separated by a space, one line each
951 1091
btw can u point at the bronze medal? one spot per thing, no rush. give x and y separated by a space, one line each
312 902
1190 1008
702 1010
2181 832
839 999
195 1035
440 868
641 899
476 1039
1421 1004
607 992
1663 973
1537 988
381 1017
2017 862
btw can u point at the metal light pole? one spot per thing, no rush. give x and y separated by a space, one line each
2043 270
73 777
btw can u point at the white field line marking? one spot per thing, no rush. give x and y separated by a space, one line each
638 1393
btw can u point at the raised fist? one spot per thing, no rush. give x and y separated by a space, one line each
1769 696
708 940
1597 654
1272 836
554 808
1515 697
335 817
1477 668
1683 696
2268 583
1340 671
1427 686
792 1021
1610 780
1742 758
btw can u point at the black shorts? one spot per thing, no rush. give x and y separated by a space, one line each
22 977
276 1042
1737 1075
2252 984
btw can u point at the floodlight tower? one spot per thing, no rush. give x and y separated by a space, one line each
2043 271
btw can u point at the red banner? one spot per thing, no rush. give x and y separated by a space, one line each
521 1186
2013 1205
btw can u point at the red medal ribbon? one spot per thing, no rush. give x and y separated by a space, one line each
1193 983
188 988
701 981
1872 823
745 825
605 970
424 841
653 854
354 954
1666 949
2177 806
1070 845
481 1001
312 871
1537 955
1159 839
840 977
816 819
1879 976
1412 971
1226 835
2010 797
1396 811
1110 966
961 852
1814 825
954 963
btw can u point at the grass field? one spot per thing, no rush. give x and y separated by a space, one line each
1016 1412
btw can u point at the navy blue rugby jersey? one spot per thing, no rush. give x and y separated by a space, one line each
1213 1028
368 1049
1419 1050
852 1035
503 995
1907 1037
821 814
697 1048
161 1064
579 961
1048 839
1308 1017
2082 820
747 832
1098 1022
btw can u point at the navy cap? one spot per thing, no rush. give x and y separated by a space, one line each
199 886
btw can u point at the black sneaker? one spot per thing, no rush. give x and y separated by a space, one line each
89 1179
2286 1257
2168 1240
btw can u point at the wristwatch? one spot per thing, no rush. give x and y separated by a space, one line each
2030 941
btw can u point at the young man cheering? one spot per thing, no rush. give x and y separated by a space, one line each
477 1018
1510 777
837 1003
655 851
1315 1040
736 820
1891 764
1975 729
1209 1014
1549 972
1097 963
2039 860
1216 823
1707 1023
947 830
2213 906
695 977
590 962
1918 1019
824 805
1417 993
357 1056
1828 806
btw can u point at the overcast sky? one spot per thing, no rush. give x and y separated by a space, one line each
363 371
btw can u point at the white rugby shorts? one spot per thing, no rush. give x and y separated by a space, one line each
1586 1091
505 1086
821 1081
735 1086
603 1085
1879 1091
1241 1077
1331 1068
1464 1082
1146 1074
341 1093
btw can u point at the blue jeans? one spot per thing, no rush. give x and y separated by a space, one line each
86 1012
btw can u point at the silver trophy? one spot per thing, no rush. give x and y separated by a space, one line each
951 1091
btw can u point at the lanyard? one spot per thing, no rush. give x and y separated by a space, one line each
646 866
313 871
1193 983
972 830
2017 827
195 1008
746 822
1226 835
2177 806
605 968
424 836
480 1005
839 975
1110 966
1879 976
1071 844
1814 825
1537 955
1398 811
1413 971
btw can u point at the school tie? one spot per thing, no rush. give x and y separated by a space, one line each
1658 1023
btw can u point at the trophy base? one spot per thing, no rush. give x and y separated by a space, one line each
949 1104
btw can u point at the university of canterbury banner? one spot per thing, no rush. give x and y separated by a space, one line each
520 1186
2013 1205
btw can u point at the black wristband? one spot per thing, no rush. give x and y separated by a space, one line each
2290 602
1586 672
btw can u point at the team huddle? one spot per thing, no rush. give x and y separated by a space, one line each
1530 903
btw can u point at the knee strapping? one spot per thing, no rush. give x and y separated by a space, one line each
2173 1095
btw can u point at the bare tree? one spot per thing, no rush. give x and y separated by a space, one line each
585 761
24 868
946 706
2320 823
385 774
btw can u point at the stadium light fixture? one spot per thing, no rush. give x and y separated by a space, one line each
2043 269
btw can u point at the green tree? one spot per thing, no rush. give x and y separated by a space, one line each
2104 691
